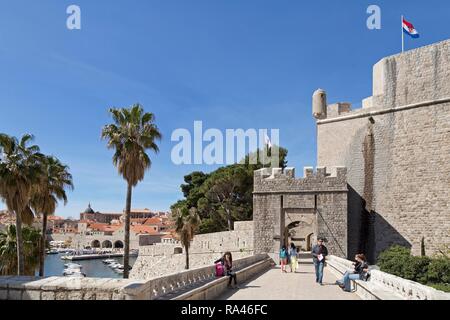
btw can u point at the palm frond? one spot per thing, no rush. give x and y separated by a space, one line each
131 135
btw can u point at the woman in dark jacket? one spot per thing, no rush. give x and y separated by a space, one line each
227 262
359 273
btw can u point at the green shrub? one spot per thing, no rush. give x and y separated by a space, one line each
416 269
439 270
434 272
394 260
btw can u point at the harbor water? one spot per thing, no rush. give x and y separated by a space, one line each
54 266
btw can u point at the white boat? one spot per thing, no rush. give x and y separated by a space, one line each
70 272
109 261
73 266
66 251
52 251
114 265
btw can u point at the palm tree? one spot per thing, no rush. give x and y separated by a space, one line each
45 196
19 171
8 250
186 225
131 135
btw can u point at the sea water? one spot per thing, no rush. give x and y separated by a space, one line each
54 266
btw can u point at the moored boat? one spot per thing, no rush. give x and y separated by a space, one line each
70 272
52 251
73 266
108 261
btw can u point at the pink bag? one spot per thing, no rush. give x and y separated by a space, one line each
219 270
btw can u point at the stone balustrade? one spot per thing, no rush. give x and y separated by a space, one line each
385 286
161 286
66 288
63 288
218 286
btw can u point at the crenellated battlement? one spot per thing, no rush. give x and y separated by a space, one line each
308 173
279 180
275 173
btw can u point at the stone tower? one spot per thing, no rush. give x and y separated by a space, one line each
396 149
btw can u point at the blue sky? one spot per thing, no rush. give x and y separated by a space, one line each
230 63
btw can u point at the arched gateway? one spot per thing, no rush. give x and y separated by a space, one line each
106 244
118 244
95 244
286 208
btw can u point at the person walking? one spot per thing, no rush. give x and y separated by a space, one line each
283 258
319 252
293 256
227 262
360 272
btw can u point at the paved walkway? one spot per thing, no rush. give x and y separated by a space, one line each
274 285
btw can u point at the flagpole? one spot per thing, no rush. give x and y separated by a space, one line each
403 38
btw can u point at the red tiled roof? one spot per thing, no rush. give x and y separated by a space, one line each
153 221
143 229
104 227
115 227
86 221
98 226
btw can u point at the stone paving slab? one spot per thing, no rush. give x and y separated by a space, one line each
275 285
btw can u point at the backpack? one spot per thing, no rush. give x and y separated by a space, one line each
219 270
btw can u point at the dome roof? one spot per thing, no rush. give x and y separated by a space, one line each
89 209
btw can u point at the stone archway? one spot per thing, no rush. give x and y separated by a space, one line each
118 244
309 242
95 244
299 225
107 244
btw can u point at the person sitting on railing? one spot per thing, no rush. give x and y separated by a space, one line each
360 272
227 262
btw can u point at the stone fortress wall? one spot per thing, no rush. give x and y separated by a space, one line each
397 152
161 259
